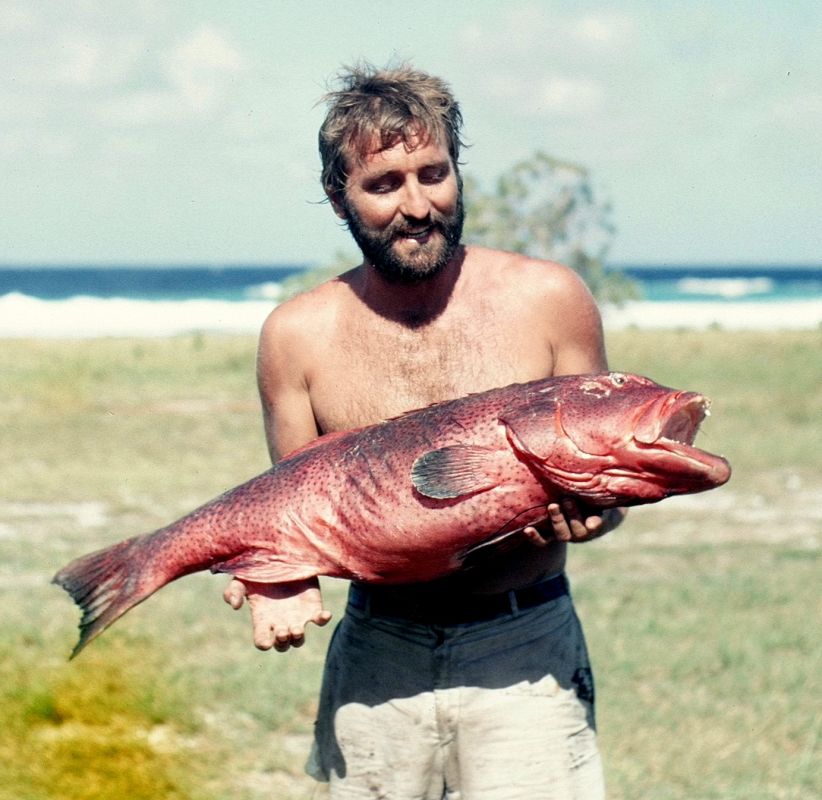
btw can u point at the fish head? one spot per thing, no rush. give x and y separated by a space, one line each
615 438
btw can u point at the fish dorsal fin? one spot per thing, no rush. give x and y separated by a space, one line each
320 441
455 471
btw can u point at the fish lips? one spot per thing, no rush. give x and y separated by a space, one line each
665 434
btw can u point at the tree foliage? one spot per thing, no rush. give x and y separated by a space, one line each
548 208
340 262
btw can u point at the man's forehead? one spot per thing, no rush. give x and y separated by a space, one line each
375 146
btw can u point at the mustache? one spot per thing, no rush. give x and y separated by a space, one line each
433 223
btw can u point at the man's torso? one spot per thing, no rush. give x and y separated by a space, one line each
366 367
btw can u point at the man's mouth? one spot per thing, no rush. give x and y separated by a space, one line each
420 235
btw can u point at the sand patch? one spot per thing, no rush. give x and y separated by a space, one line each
87 514
792 515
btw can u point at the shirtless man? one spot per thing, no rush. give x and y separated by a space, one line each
477 685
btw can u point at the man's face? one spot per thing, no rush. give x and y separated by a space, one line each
404 210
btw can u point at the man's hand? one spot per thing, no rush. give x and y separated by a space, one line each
568 522
279 611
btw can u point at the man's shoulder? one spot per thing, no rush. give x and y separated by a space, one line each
303 319
519 271
312 305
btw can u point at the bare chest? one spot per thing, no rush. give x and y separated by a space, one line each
376 370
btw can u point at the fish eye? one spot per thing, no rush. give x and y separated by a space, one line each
618 379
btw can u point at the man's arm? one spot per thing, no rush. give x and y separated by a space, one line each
280 612
577 344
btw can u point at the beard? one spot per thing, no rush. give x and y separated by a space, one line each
426 261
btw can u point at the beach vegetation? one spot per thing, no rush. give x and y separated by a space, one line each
549 208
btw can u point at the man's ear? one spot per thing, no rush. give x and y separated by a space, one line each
336 200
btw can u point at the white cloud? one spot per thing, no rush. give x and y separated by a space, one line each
16 18
554 95
88 61
603 30
144 107
533 32
568 96
46 144
201 66
80 62
195 77
801 110
547 61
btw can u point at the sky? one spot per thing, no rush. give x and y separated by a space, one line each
143 131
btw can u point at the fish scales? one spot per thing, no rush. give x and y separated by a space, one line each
405 500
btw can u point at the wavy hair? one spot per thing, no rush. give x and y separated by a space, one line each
386 106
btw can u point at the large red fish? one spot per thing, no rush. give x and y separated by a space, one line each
405 500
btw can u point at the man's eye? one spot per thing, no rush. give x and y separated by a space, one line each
436 176
383 187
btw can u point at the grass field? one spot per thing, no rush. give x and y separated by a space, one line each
702 613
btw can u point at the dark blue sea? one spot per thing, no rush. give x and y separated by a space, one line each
157 283
165 300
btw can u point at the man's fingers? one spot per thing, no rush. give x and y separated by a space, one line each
283 638
559 523
296 637
323 618
594 523
280 612
280 638
534 536
235 593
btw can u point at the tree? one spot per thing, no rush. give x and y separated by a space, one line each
548 208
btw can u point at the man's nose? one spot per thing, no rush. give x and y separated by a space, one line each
415 203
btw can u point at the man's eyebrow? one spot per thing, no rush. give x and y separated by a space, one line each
439 162
379 177
444 163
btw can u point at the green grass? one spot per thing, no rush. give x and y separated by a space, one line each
701 616
766 389
708 669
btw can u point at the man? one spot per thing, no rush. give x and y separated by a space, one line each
477 685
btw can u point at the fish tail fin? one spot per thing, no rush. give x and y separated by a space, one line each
105 584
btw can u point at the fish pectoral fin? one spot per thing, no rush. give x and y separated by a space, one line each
455 471
264 566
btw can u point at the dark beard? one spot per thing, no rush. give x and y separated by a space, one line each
378 249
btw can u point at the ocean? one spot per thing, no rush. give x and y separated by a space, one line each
88 301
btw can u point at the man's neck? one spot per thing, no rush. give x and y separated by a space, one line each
411 304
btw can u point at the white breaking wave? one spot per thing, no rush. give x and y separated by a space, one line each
776 315
87 317
84 317
729 288
270 290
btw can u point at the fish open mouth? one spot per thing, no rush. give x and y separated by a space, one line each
666 434
674 420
